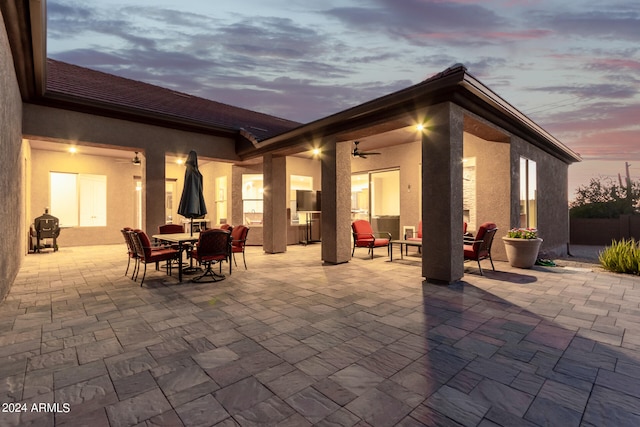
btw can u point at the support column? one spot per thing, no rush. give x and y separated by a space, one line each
336 202
442 144
155 189
275 204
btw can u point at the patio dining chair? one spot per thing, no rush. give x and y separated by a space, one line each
170 228
365 237
147 253
131 250
238 242
214 246
480 247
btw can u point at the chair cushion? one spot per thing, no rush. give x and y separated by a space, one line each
161 255
380 242
469 253
239 237
361 226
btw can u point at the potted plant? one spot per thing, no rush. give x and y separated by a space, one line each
522 246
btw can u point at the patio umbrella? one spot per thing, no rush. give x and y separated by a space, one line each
192 201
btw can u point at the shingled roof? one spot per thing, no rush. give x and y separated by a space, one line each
108 89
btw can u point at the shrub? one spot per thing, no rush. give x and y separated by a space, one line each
621 257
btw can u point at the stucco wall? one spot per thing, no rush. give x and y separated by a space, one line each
493 187
153 141
553 210
254 238
120 193
11 169
210 171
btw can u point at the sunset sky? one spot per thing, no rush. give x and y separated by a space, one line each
572 66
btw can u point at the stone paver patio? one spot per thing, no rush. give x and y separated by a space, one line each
293 342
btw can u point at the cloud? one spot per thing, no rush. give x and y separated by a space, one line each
615 65
616 21
601 90
415 19
337 57
298 99
599 129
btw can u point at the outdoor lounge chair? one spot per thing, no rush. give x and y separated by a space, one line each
365 237
480 247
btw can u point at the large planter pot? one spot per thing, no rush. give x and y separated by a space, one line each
522 253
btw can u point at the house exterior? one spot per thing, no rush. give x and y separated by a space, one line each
451 151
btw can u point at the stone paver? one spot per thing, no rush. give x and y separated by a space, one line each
293 342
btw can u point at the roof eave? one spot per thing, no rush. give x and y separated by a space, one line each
117 111
523 125
456 86
394 104
25 23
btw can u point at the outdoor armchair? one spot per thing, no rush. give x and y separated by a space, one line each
480 247
365 237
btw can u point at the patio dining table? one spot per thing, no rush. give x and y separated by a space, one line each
181 239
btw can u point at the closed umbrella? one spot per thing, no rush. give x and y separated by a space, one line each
192 201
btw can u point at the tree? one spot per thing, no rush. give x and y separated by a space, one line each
604 198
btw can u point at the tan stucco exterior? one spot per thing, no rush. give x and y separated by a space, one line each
13 170
464 119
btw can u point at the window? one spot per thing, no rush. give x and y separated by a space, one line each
79 199
252 205
360 196
221 199
170 190
137 219
528 193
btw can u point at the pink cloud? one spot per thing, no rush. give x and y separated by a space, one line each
615 64
594 118
517 35
501 36
607 144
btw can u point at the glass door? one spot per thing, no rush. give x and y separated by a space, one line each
385 201
375 197
360 196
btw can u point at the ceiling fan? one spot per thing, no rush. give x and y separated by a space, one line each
136 160
357 153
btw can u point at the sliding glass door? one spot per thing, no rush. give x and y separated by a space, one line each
375 197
